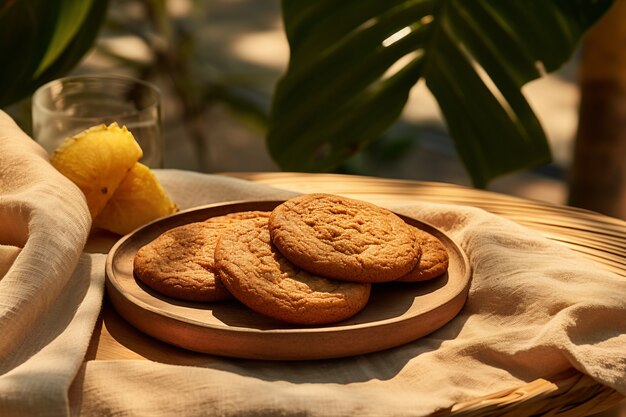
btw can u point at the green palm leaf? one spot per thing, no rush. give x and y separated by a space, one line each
42 40
354 62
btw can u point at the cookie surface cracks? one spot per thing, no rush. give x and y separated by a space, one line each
432 263
344 238
179 263
264 280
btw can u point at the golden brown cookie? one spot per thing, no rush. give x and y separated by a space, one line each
261 278
432 263
179 263
345 239
235 217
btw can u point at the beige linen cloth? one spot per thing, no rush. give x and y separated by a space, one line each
535 309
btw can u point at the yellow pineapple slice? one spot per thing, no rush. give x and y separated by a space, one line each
139 199
97 160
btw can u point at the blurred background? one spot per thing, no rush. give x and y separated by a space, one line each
217 63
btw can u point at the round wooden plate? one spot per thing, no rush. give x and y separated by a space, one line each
396 313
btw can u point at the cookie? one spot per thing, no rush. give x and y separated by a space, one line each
256 273
235 217
345 239
179 263
432 263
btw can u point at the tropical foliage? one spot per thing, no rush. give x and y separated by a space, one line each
352 65
43 40
354 62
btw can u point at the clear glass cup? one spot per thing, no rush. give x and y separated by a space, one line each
64 107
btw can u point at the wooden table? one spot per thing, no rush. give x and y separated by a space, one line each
598 238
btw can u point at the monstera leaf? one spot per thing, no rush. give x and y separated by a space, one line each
42 40
353 63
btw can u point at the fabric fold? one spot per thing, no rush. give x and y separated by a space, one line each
50 294
535 309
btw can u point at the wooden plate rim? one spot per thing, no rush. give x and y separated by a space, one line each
242 205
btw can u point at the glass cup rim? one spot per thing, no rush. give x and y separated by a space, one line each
85 77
